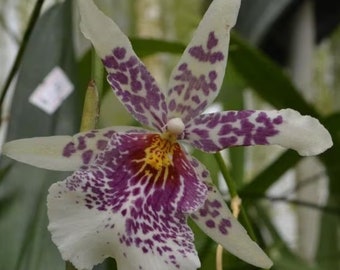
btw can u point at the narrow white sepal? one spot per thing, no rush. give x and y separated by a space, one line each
237 240
303 133
218 21
43 152
100 29
233 238
48 152
222 10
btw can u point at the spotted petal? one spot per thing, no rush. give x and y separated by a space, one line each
216 220
43 152
196 80
124 200
127 75
288 128
62 153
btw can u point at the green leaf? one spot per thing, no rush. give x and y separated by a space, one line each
259 185
146 47
6 196
3 172
23 227
282 256
328 249
231 97
329 245
285 259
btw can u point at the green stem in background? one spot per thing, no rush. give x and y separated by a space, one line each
88 121
33 19
225 172
233 192
97 72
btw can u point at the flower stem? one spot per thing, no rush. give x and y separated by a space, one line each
236 205
88 121
97 71
233 193
226 175
32 21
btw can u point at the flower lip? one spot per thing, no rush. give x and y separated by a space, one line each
175 126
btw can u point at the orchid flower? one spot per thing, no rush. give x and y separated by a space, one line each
133 189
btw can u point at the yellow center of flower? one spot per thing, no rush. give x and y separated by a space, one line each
160 152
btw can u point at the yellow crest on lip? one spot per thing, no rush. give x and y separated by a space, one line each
160 152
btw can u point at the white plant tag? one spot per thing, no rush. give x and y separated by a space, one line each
53 90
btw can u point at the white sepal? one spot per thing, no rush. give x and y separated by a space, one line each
219 223
43 152
303 133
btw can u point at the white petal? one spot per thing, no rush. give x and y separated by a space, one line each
78 232
197 78
85 236
216 220
62 153
302 133
130 80
120 207
100 29
42 152
216 131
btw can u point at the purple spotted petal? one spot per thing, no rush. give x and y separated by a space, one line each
43 152
196 80
62 153
135 87
216 131
127 75
216 220
136 196
86 146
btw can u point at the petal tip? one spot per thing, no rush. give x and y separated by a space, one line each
42 152
100 29
14 149
303 133
264 262
6 149
216 220
252 253
229 11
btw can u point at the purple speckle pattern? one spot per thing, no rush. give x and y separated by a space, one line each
87 145
148 207
207 55
212 217
136 88
197 78
216 131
